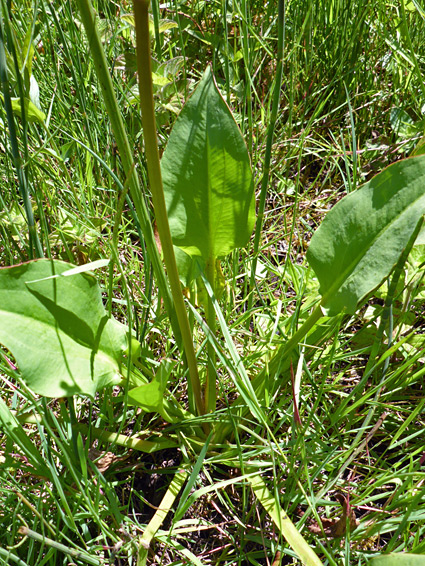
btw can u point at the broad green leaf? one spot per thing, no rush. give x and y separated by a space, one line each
159 80
32 113
398 559
149 397
58 330
207 177
362 237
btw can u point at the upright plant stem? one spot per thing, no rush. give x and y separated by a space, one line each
88 18
246 46
268 152
141 16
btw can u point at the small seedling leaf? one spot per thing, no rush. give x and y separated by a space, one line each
150 396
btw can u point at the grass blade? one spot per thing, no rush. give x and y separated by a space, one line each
283 522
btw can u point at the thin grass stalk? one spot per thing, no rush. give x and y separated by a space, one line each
73 552
226 51
141 16
181 45
88 18
268 152
34 246
248 80
211 386
412 51
155 14
78 76
353 140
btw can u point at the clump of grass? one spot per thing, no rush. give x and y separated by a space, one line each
346 66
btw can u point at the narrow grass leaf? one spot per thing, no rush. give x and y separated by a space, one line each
15 431
398 559
283 522
192 479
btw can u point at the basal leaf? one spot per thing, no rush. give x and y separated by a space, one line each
207 177
362 237
58 330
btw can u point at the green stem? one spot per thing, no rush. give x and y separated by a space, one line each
74 553
141 16
210 386
35 247
88 18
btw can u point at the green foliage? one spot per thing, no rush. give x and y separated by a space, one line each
152 396
207 177
54 323
360 241
308 407
32 113
398 558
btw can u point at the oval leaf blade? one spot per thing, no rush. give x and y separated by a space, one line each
207 177
362 237
58 330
